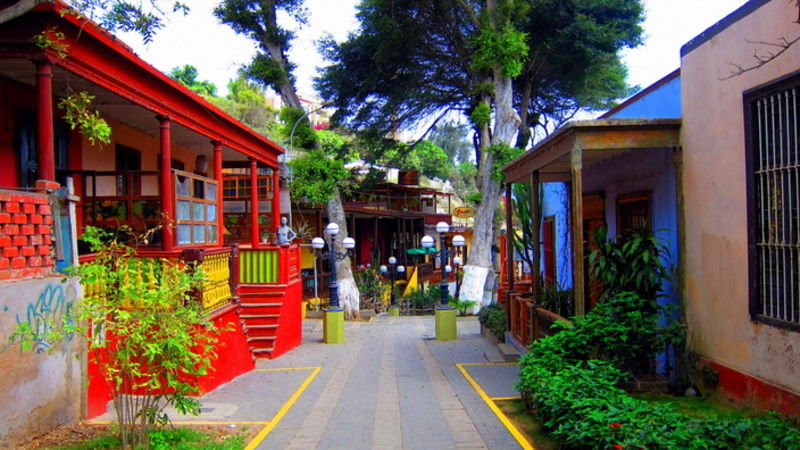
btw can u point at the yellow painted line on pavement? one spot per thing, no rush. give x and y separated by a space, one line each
500 399
488 364
488 400
285 408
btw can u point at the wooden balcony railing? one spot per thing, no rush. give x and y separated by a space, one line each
269 265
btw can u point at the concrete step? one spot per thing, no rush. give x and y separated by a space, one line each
260 338
262 326
493 355
256 305
508 352
262 352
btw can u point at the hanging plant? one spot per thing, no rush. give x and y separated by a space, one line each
78 114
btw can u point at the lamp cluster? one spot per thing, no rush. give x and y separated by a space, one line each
458 241
332 255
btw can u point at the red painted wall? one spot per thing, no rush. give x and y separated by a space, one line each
290 323
13 95
233 359
754 392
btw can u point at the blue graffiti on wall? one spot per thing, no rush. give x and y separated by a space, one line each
51 310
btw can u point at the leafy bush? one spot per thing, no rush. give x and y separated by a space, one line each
461 305
576 397
425 297
146 333
555 299
493 318
632 262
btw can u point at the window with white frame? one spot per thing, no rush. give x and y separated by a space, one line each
773 159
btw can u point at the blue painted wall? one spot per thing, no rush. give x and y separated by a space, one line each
555 202
664 102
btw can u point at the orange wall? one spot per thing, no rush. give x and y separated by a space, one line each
714 192
96 157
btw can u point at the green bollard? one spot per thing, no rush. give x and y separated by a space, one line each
333 326
394 311
446 323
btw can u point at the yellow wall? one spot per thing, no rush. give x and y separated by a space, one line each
102 158
714 191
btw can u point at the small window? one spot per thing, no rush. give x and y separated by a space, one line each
633 212
773 165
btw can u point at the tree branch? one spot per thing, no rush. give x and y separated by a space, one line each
762 59
471 14
17 9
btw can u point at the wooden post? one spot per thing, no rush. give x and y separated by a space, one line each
166 185
254 234
45 141
536 220
509 240
276 200
576 223
220 201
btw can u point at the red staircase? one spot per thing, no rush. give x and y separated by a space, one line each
270 299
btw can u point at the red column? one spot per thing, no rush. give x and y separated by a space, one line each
165 185
45 135
254 237
220 202
276 199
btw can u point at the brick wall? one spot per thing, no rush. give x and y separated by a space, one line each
26 235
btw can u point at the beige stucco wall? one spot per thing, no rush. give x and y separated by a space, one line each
716 282
102 157
42 387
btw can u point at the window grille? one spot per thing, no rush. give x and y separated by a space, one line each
774 160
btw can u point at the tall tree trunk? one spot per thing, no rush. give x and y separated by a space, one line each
349 296
478 273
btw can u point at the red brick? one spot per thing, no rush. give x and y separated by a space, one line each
47 261
28 251
11 252
44 250
35 261
48 220
12 207
18 262
5 218
36 239
35 219
47 240
44 210
20 219
4 263
30 229
39 199
11 230
5 241
29 208
6 275
19 241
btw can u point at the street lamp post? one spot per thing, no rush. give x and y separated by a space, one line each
393 270
333 317
445 314
458 241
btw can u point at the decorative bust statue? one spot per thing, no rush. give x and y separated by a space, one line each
285 234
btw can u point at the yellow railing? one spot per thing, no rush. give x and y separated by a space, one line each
217 290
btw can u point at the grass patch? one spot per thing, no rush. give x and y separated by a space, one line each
702 407
527 424
167 439
190 437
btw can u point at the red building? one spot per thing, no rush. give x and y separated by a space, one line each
165 165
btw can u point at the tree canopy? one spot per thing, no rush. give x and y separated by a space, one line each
187 76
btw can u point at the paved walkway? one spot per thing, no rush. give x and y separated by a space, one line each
390 386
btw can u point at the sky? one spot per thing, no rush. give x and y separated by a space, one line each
217 52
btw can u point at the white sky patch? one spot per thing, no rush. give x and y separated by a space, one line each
217 52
